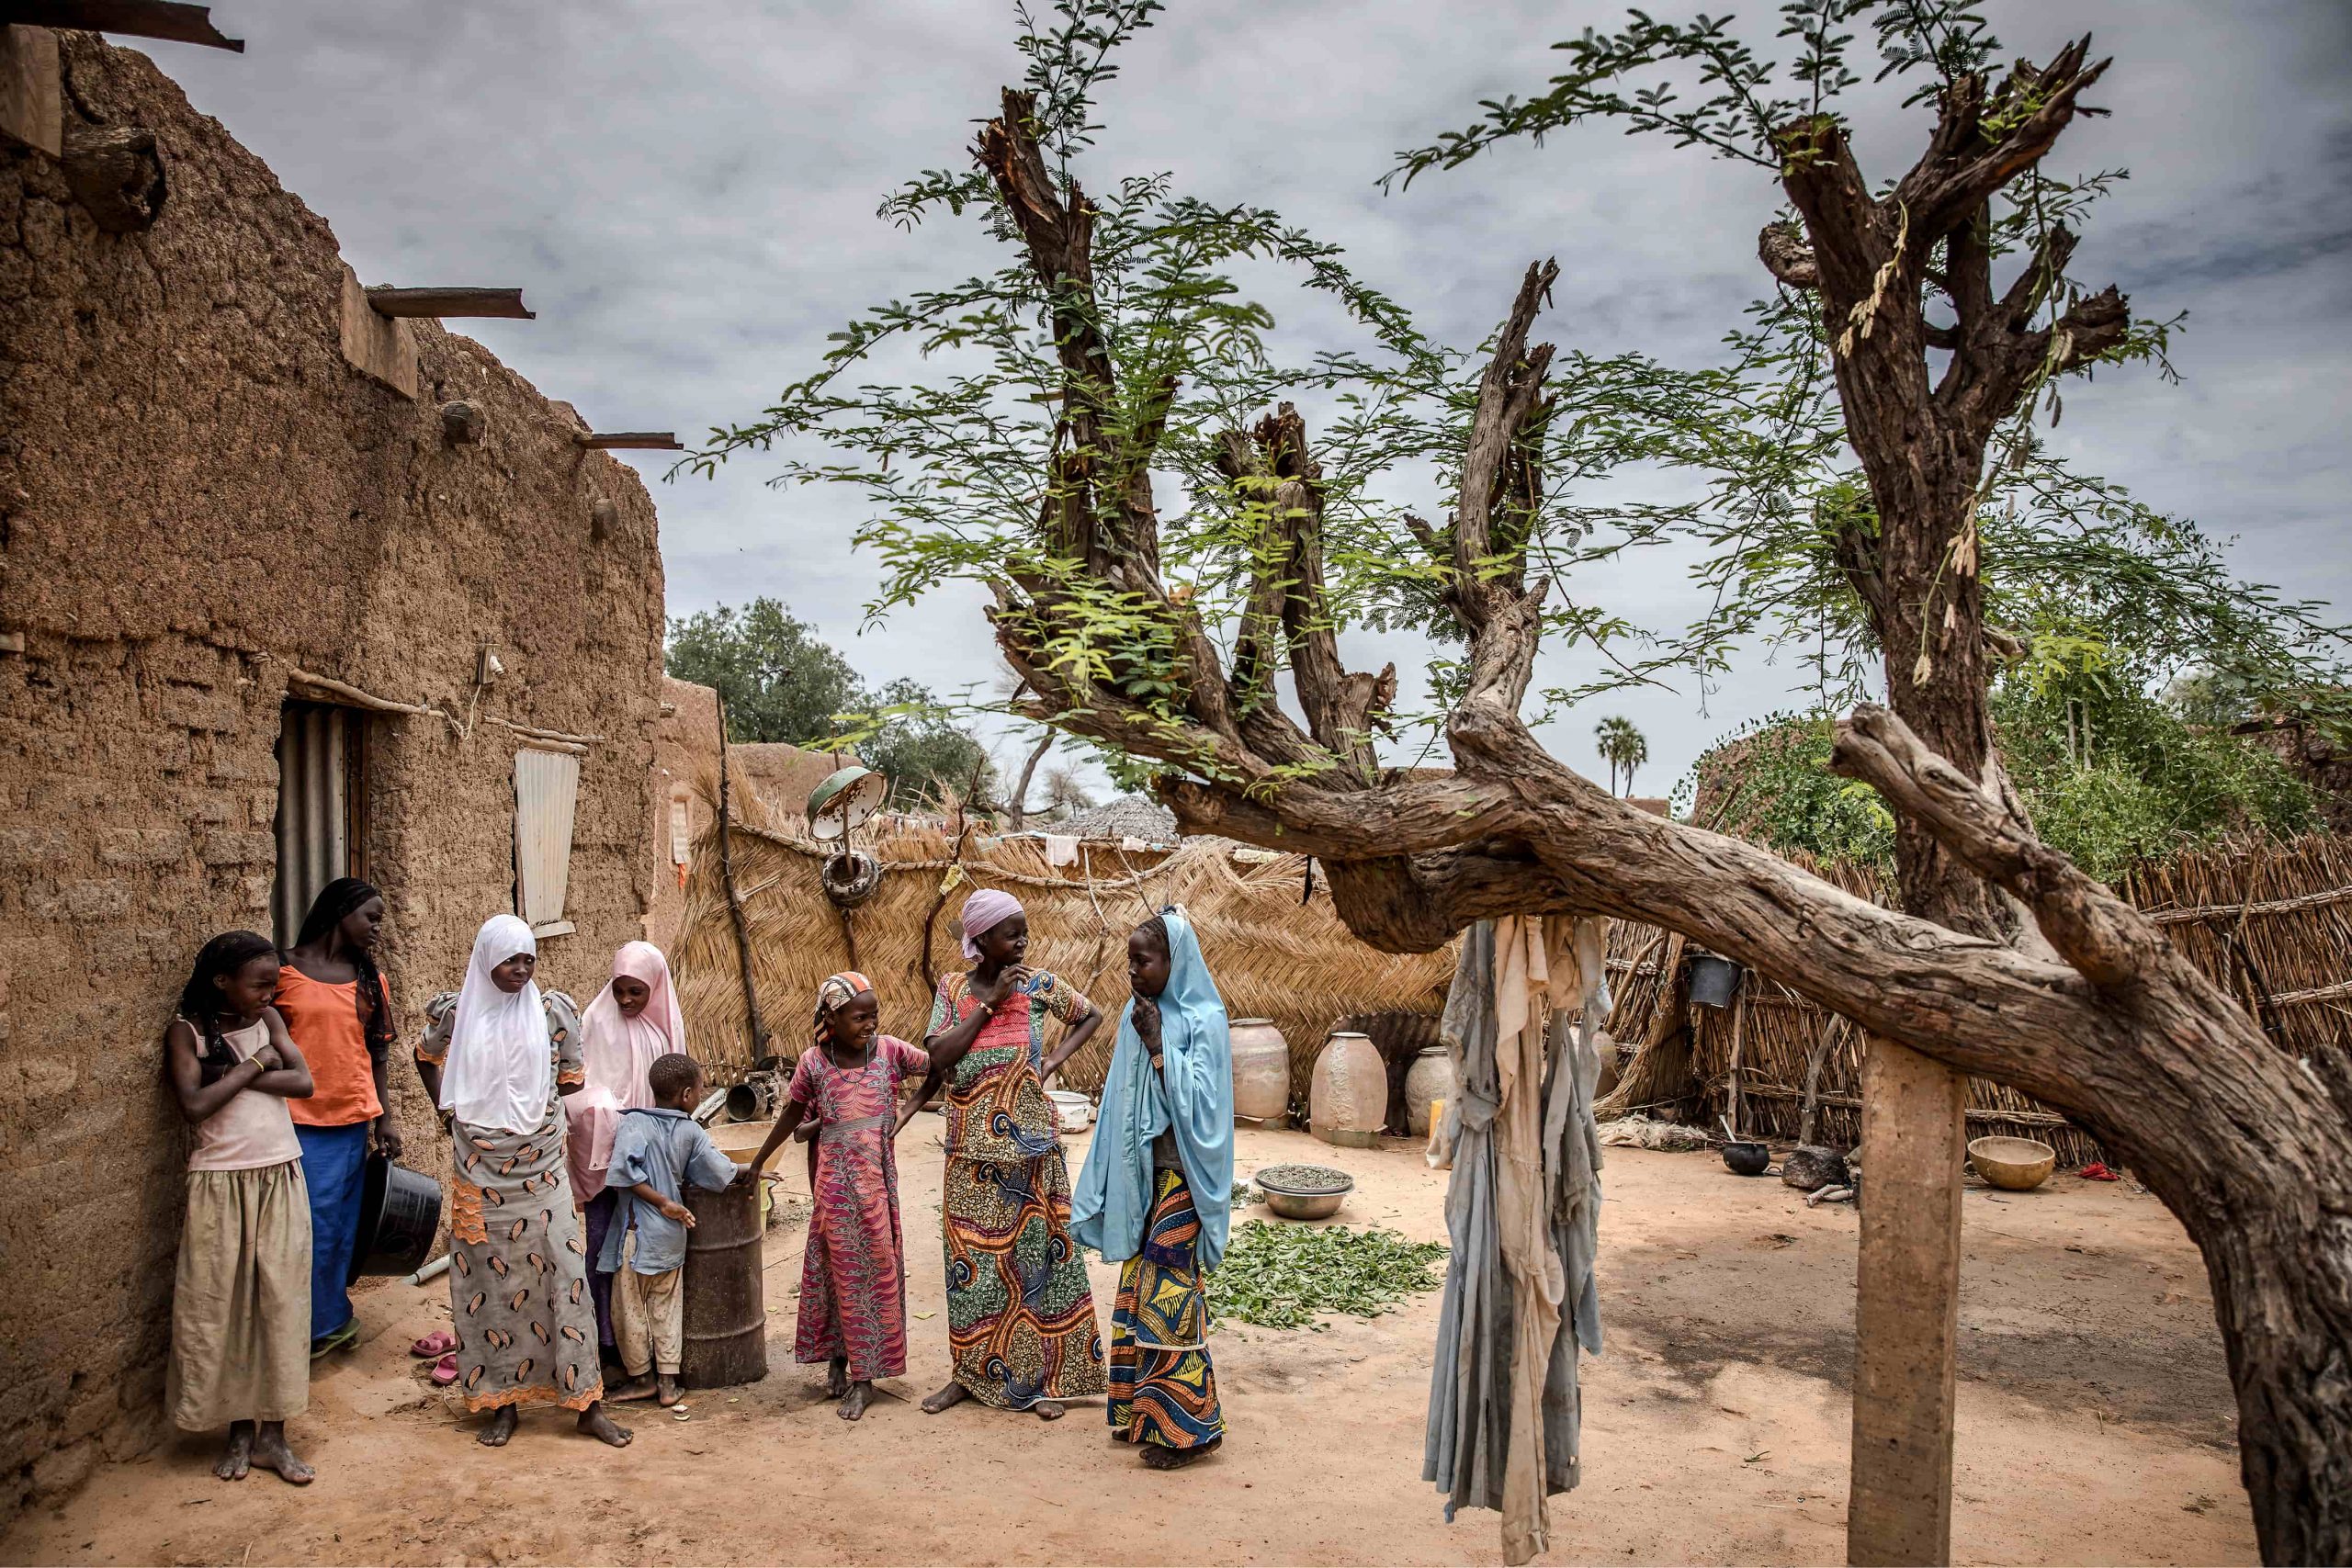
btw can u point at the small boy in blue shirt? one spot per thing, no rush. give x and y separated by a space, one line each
656 1152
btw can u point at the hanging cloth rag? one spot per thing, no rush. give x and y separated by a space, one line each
1521 1212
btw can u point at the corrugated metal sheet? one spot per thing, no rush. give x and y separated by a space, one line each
546 790
318 752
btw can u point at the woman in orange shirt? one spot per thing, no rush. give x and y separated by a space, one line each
339 1012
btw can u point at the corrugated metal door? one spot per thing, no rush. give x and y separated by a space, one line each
546 789
319 748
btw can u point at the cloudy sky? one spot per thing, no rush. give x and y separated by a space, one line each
685 191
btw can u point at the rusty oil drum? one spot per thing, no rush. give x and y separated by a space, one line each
726 1316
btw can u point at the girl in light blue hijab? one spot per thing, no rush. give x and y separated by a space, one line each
1155 1194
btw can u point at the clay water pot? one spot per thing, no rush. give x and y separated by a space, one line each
1429 1080
1348 1097
1261 1070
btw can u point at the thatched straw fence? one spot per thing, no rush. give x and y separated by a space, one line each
1277 954
2272 922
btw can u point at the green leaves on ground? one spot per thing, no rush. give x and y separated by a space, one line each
1282 1275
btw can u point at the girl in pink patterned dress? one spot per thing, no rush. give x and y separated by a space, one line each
854 1273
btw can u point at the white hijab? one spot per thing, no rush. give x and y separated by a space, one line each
499 1071
615 1051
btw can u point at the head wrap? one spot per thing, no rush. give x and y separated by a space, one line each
1191 1096
983 912
615 1052
500 1070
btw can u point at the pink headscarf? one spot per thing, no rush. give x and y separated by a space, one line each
615 1051
983 912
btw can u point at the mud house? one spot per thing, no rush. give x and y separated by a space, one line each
293 588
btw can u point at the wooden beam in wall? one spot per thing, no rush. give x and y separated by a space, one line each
32 101
378 344
631 440
449 303
130 18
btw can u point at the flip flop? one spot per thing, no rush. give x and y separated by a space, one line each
445 1371
334 1339
434 1345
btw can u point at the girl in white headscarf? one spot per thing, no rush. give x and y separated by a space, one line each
497 1056
634 1020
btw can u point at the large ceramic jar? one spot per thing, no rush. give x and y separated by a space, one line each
1348 1097
1431 1077
1261 1070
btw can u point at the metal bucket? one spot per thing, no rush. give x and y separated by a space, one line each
725 1314
1714 981
400 1217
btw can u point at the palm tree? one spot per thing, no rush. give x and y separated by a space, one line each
1622 747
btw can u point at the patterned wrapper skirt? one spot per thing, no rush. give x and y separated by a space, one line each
854 1270
1162 1388
518 1272
1020 1315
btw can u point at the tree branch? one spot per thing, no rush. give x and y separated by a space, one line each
1965 164
1785 254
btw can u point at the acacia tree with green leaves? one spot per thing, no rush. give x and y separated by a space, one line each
1113 360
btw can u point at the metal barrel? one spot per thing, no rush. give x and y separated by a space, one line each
725 1316
755 1098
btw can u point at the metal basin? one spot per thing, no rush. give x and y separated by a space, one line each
1295 1205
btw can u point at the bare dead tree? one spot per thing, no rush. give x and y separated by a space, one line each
2008 962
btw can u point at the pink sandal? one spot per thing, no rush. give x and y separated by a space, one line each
445 1371
438 1343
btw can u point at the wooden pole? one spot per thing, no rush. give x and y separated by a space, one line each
735 903
1907 1310
1738 1022
129 18
636 440
505 303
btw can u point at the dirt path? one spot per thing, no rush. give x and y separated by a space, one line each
2095 1419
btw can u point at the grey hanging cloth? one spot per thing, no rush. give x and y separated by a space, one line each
1521 1213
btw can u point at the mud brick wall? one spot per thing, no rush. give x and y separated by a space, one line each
197 494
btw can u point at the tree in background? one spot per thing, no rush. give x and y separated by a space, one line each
1624 748
781 682
1115 352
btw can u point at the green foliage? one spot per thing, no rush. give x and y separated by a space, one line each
2110 775
781 682
1622 747
1284 1274
779 679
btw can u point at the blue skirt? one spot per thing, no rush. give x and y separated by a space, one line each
334 1159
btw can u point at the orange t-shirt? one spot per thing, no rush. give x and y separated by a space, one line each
324 1022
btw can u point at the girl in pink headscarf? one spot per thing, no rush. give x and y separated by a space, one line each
633 1019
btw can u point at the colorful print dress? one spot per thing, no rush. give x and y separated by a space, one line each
854 1273
518 1264
1020 1315
1162 1389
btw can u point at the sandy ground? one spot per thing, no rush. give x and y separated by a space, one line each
2096 1423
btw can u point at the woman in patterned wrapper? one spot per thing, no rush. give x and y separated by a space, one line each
1020 1315
499 1058
1154 1195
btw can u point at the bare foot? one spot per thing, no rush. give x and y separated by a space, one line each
501 1428
854 1401
237 1457
954 1393
837 1380
271 1449
1048 1409
1157 1458
599 1425
636 1388
667 1390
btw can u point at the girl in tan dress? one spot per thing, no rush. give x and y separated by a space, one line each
241 1300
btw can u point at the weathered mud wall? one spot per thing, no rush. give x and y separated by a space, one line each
686 748
197 494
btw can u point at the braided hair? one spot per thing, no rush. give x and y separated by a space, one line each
200 998
334 904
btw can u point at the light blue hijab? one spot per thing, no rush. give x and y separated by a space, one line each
1192 1093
